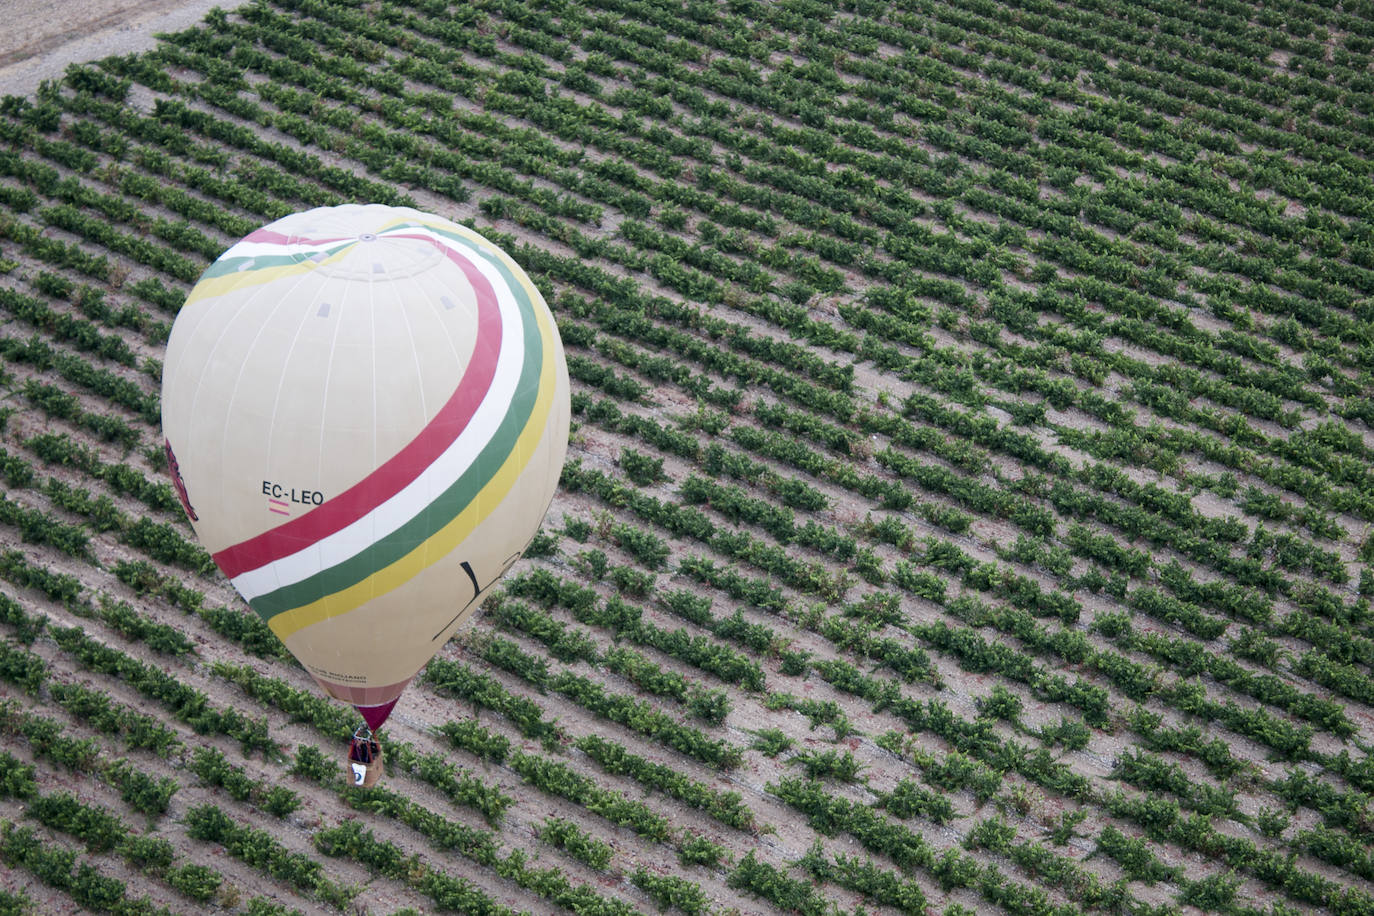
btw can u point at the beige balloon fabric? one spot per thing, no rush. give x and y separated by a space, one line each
366 414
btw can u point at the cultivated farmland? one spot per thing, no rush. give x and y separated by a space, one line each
969 502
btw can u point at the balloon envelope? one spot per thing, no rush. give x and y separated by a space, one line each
366 414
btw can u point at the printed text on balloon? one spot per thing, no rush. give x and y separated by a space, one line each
291 494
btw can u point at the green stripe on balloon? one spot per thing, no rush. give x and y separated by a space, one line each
447 505
226 266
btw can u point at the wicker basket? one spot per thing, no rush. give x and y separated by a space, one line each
364 764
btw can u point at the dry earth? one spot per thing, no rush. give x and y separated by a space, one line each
41 37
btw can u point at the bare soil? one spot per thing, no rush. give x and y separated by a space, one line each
36 44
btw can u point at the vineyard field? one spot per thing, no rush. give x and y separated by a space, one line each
969 505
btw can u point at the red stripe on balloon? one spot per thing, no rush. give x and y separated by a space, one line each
272 237
403 467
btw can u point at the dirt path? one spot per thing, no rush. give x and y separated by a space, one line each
38 42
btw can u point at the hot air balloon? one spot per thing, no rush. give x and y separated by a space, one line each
366 414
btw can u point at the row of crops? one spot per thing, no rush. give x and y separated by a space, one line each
969 502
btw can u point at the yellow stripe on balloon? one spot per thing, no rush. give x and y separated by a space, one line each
242 279
447 228
447 538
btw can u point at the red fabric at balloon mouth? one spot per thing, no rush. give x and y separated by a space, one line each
376 716
374 704
402 468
